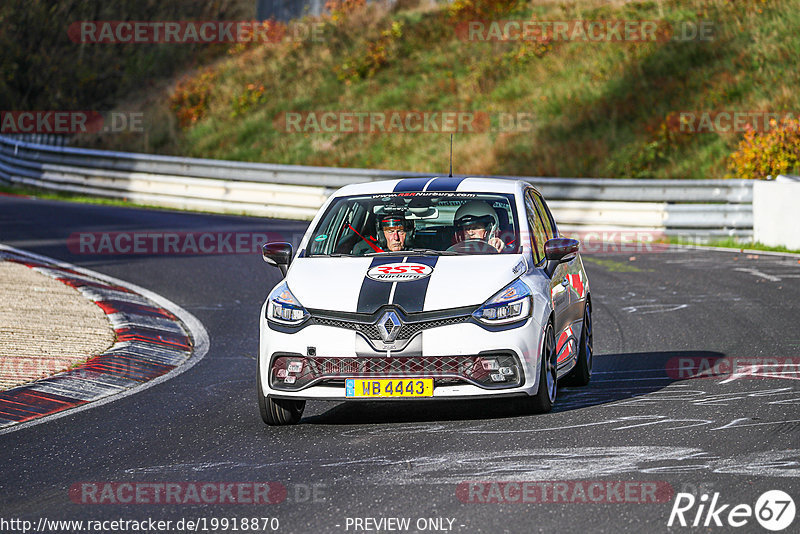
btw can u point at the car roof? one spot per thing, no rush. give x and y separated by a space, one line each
434 183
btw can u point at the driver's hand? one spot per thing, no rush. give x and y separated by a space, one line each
497 243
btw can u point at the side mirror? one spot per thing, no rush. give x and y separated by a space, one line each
277 254
559 250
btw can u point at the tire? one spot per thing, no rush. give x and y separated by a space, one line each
545 397
582 373
277 412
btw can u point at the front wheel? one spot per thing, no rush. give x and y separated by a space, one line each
276 412
545 397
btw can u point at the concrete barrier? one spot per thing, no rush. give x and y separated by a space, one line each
776 212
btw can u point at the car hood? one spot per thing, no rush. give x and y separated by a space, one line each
419 283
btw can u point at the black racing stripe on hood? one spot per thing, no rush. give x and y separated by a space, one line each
411 295
375 294
444 184
411 184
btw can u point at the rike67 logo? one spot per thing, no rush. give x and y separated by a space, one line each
774 510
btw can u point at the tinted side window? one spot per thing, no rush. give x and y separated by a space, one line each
330 229
539 235
547 218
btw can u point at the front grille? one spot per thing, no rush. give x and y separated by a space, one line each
407 331
439 366
369 330
292 373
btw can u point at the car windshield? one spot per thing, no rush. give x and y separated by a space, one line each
437 223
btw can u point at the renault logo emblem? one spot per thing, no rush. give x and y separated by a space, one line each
389 326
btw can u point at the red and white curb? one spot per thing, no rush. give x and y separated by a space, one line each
155 340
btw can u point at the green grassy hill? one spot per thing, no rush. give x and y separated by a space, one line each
594 109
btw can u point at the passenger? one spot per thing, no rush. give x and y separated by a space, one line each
476 220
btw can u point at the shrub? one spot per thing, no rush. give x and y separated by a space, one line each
776 151
340 10
190 99
252 96
272 32
483 9
376 55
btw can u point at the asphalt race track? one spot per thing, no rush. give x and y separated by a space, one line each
640 421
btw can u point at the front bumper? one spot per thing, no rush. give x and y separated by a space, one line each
319 357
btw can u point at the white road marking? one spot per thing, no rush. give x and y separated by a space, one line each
657 308
787 401
746 371
736 423
756 272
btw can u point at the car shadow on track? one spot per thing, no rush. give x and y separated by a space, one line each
616 377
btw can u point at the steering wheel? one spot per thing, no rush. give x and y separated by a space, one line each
474 246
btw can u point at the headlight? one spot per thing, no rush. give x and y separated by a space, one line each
284 307
510 305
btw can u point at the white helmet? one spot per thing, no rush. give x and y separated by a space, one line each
476 211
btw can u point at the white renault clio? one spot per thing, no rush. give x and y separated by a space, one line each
425 288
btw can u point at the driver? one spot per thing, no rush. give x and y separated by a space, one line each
394 231
476 220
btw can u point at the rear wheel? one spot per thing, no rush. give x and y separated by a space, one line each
544 399
279 411
582 373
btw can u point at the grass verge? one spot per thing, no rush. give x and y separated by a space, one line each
590 109
731 243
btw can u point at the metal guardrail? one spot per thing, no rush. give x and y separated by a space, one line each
41 139
697 207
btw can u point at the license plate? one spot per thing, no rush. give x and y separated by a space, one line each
389 387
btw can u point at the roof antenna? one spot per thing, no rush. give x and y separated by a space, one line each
451 155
